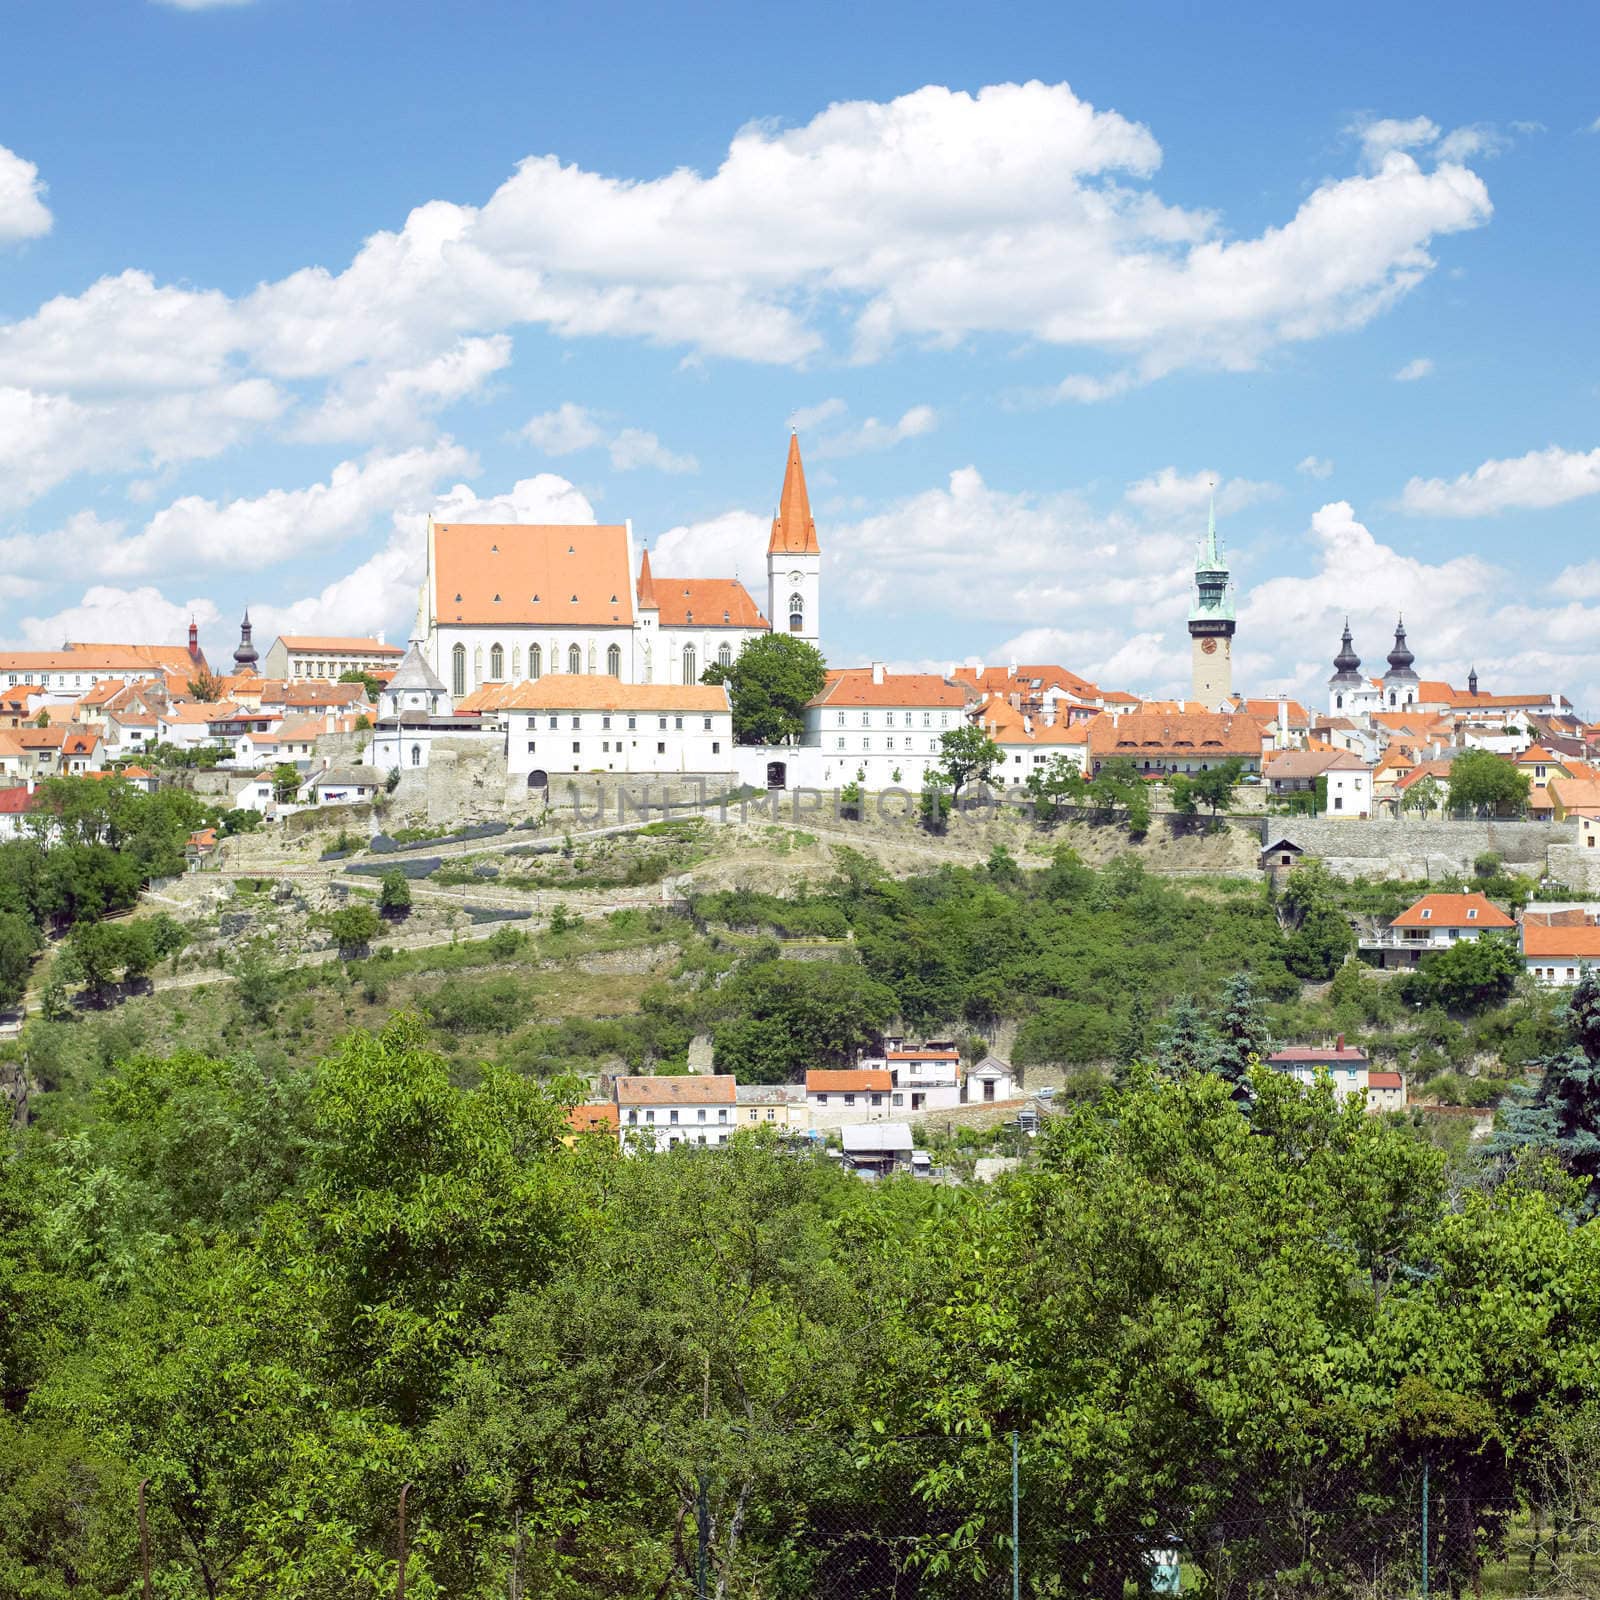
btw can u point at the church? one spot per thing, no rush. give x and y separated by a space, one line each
506 603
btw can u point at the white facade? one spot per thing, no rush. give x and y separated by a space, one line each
258 794
1349 791
657 1113
842 1098
300 659
991 1080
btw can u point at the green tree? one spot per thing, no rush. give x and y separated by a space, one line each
1471 975
1055 787
1425 796
851 796
967 755
1215 787
394 895
372 686
934 803
1243 1034
786 1016
19 944
285 781
1320 945
1185 1041
770 683
354 927
1487 785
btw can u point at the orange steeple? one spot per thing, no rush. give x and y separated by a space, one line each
793 531
647 584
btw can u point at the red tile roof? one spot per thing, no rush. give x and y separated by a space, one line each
1543 940
1177 733
692 1090
706 603
1348 1055
562 691
848 1080
350 647
15 802
1451 911
1385 1080
601 1117
558 575
853 686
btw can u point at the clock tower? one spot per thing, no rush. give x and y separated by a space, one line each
1211 623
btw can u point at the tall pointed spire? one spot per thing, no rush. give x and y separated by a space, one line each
793 531
245 654
647 584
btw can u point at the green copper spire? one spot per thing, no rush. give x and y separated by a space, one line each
1213 593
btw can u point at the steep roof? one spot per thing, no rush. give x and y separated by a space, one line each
1576 794
414 673
854 686
647 584
706 603
793 531
1473 910
601 1117
1026 681
693 1090
562 691
558 575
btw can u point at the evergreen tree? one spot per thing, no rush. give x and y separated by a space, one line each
1562 1116
1241 1031
1133 1043
1185 1042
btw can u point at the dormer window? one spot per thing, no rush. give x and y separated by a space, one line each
574 599
570 550
1472 915
536 599
1426 915
497 599
458 599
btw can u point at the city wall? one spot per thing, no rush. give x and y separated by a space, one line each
1417 849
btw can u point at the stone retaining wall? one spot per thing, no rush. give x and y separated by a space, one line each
1385 848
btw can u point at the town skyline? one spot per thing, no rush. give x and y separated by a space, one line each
1350 312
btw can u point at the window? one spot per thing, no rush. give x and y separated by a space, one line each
577 747
877 1099
661 723
770 1113
708 724
888 744
497 662
841 719
725 655
849 1099
458 670
689 672
702 1113
716 747
535 661
677 724
614 661
554 723
661 748
633 724
416 755
1472 915
866 719
841 744
1338 802
576 723
633 1116
672 1116
530 747
822 1098
927 719
1427 913
897 1099
574 660
797 613
605 722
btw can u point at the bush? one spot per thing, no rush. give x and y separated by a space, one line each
394 895
355 927
492 1005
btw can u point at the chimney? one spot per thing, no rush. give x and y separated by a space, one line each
877 672
1011 671
1340 1044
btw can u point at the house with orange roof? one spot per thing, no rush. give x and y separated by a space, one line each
884 725
659 1112
76 668
1573 797
1559 947
836 1097
1540 765
16 761
1405 795
1048 692
80 751
1435 922
1028 744
18 803
505 603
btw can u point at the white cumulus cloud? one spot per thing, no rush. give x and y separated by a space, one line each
1540 479
1315 466
873 435
23 213
1170 493
1421 367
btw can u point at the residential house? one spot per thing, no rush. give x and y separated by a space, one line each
1348 779
339 786
772 1105
885 725
660 1112
836 1097
16 761
601 1117
1573 797
1558 947
922 1077
1435 922
259 793
302 656
17 804
80 752
1028 744
1348 1068
67 673
185 725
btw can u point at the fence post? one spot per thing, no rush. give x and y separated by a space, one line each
1424 1528
400 1570
144 1541
702 1540
1016 1542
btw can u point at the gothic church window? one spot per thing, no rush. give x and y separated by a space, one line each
574 660
458 670
497 662
797 612
535 661
614 661
690 675
725 655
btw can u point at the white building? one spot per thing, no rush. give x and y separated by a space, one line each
339 786
921 1078
67 673
660 1112
1435 922
257 794
991 1080
300 656
883 725
507 602
836 1097
1558 948
561 725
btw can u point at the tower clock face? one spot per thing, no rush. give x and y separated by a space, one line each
1209 646
794 577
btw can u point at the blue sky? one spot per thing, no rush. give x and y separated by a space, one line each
278 278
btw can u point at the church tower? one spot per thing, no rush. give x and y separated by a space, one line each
794 558
1346 685
245 654
1211 623
1400 684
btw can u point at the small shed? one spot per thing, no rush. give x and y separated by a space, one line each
1280 854
991 1080
875 1149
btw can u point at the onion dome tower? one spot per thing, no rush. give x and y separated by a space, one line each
1346 679
245 654
1400 683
